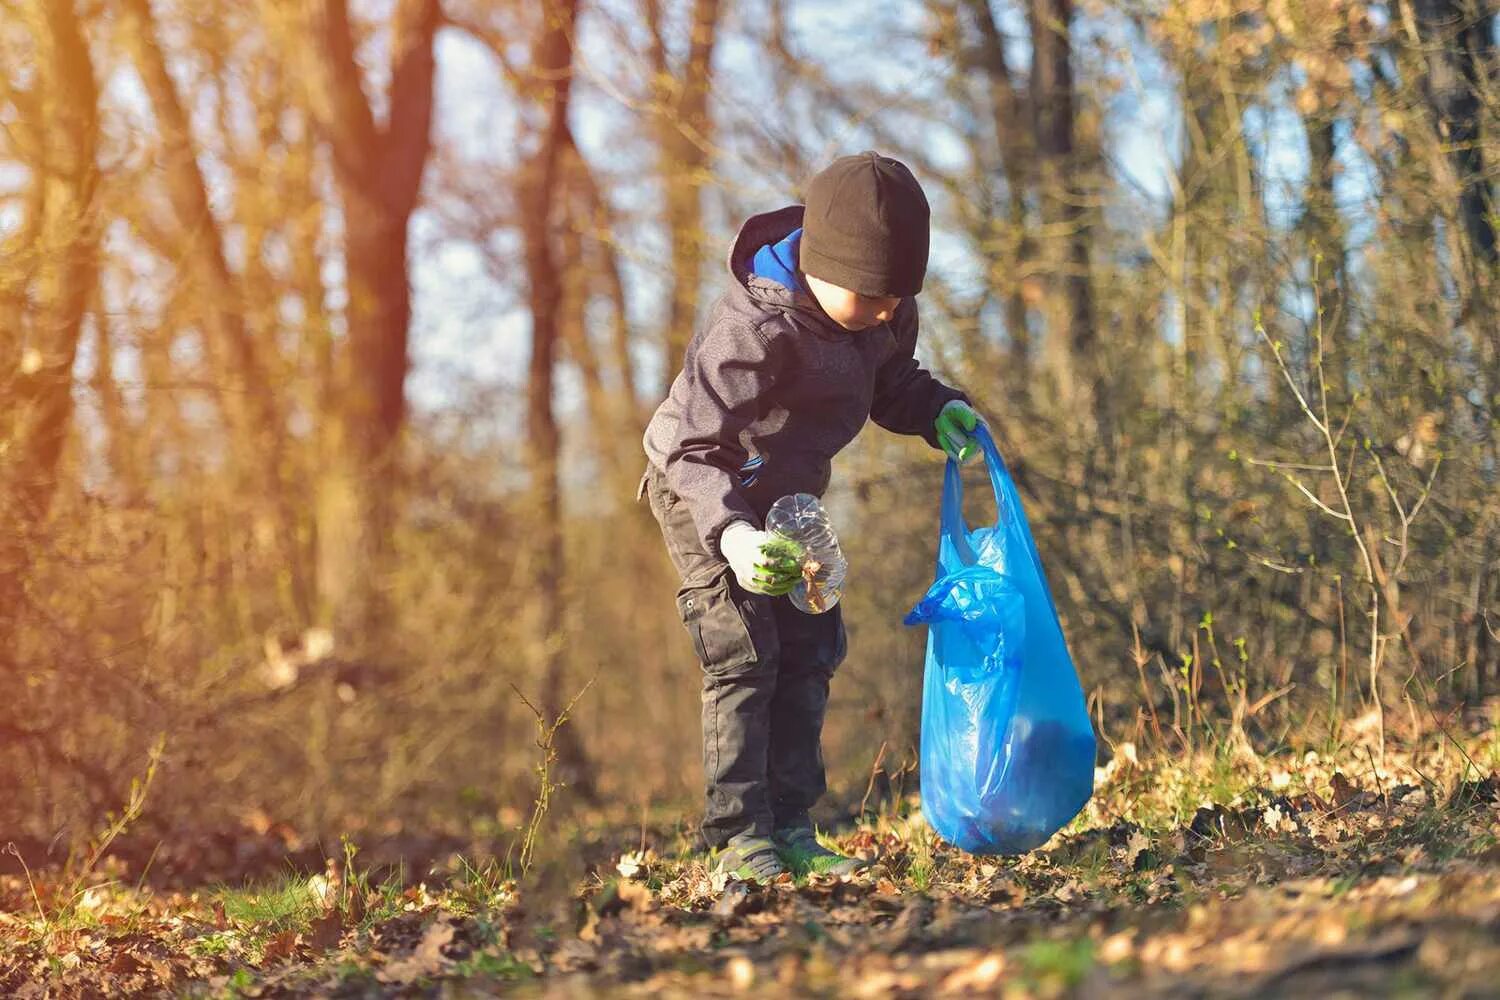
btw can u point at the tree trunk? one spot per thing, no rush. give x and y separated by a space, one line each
39 415
573 319
542 212
1458 36
1013 136
1065 228
603 227
121 434
252 408
684 131
1325 229
378 169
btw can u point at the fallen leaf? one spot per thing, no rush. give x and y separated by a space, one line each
908 925
1276 821
280 947
322 889
736 900
426 960
325 931
1117 947
741 973
977 977
163 970
360 905
1344 791
632 863
1137 845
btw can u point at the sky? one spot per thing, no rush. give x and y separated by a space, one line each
470 331
459 333
454 330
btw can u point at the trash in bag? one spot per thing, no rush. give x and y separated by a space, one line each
801 518
1007 747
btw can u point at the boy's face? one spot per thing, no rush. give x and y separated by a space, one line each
849 309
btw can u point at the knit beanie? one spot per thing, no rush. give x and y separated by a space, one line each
866 226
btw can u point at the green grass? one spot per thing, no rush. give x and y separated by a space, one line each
287 902
493 966
485 885
241 982
1061 963
349 972
213 945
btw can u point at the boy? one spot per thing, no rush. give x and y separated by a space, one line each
815 335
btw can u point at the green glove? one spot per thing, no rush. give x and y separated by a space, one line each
953 423
762 562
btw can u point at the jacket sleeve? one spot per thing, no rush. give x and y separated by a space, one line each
729 371
907 397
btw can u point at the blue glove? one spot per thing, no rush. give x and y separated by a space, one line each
953 423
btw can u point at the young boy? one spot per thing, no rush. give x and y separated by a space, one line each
815 335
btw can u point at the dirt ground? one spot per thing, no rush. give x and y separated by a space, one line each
1219 874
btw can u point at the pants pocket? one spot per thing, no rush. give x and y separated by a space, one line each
732 631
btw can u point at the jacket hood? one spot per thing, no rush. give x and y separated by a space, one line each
762 230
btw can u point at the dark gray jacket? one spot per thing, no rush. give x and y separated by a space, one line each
771 389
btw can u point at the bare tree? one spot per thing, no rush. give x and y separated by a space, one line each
542 217
1458 37
378 168
1065 229
1010 111
684 134
59 243
252 402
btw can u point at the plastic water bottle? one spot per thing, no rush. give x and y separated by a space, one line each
801 518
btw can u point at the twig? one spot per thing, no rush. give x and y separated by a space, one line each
1340 480
1255 707
1139 655
1380 785
135 803
874 770
546 741
12 849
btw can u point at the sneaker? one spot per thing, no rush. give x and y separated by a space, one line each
751 859
800 850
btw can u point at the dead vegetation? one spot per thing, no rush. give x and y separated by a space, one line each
1299 872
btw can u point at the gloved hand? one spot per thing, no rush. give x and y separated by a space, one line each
762 562
953 423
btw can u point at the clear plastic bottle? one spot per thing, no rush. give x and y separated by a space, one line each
801 518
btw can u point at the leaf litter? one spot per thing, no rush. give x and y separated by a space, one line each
1288 875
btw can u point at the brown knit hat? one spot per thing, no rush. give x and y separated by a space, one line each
866 226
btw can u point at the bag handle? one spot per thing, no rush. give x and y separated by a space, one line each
953 526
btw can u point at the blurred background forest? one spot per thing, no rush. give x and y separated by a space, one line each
328 332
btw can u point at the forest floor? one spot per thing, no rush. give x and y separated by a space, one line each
1210 873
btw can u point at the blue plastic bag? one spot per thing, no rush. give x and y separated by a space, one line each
1007 747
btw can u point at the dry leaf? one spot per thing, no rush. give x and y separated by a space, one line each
979 976
360 905
325 931
280 947
741 973
426 959
1117 947
630 864
1344 791
1137 845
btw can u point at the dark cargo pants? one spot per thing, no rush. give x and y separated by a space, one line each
766 668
